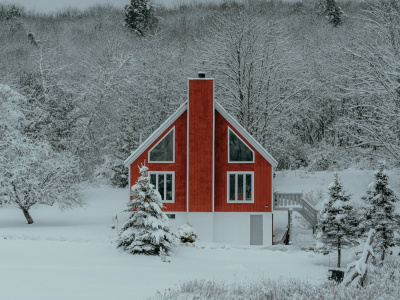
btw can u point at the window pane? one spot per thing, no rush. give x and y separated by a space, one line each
248 187
153 178
164 151
240 187
232 187
169 188
161 185
238 151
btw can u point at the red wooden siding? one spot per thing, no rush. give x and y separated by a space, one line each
260 167
201 112
179 167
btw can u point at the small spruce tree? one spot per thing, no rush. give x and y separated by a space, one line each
337 222
333 12
140 16
14 18
379 212
147 230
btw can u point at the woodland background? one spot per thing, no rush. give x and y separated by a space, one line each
315 95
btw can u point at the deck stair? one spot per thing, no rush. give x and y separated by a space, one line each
296 202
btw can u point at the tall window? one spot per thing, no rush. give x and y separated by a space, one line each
239 152
240 187
163 151
164 184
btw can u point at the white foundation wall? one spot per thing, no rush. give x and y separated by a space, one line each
203 223
234 227
180 219
223 227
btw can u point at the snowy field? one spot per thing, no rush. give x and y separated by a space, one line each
72 254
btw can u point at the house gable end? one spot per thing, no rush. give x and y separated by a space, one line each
247 137
155 135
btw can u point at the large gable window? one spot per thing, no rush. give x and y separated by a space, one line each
238 151
164 184
164 150
240 187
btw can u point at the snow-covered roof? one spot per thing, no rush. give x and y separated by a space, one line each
178 113
168 122
249 138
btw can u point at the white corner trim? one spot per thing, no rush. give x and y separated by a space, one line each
187 148
235 124
160 130
213 150
165 185
173 148
272 189
238 162
236 173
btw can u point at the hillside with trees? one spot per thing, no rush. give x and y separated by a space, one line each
316 91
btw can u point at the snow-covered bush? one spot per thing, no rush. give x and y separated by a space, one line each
186 233
147 230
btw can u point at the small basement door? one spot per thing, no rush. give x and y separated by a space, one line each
256 229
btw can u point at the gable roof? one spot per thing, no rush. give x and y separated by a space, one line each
157 133
249 138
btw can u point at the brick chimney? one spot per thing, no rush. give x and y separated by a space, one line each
201 144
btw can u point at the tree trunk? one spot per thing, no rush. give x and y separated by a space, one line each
27 215
339 252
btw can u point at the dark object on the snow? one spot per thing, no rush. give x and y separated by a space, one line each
336 275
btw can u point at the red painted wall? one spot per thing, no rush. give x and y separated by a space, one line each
260 167
179 167
200 122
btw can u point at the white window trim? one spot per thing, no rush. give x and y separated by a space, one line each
173 150
165 186
244 187
239 162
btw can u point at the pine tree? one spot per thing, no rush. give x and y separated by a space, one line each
337 223
379 212
140 16
333 12
147 230
14 18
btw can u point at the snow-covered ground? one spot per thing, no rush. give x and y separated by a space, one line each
72 254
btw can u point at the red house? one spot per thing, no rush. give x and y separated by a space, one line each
210 171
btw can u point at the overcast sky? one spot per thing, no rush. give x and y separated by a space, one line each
53 5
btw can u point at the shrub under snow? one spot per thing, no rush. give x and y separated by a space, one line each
186 233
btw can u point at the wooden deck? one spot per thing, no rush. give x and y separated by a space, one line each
296 202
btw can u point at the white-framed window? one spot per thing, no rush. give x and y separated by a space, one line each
240 187
164 150
238 151
164 182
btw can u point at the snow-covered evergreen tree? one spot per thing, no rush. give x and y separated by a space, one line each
140 16
379 212
333 12
14 18
337 223
147 230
